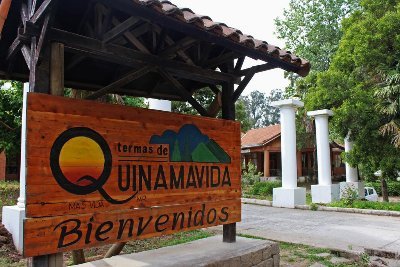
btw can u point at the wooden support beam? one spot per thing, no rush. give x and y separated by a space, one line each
24 14
57 69
41 11
42 37
228 113
170 41
181 45
14 48
136 9
215 106
128 57
115 250
215 89
224 58
121 82
55 80
184 93
78 256
242 86
32 8
161 40
39 78
119 29
257 69
132 38
26 52
239 64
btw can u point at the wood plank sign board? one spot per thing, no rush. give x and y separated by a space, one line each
100 174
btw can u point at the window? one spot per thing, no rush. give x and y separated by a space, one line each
370 191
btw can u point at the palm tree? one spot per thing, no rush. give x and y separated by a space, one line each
389 104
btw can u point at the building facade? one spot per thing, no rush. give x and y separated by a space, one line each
262 147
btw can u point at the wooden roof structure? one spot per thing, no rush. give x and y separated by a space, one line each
146 48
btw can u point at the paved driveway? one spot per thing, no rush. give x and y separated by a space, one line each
323 229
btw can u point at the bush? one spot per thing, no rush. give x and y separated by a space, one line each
349 196
393 188
250 175
9 192
264 188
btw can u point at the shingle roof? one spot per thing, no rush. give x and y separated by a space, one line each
220 29
261 136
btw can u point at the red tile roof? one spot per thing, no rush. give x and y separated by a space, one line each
186 15
261 136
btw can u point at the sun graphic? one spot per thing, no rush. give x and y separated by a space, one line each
81 157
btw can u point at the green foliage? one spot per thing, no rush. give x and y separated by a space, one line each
258 108
349 196
10 117
250 175
204 96
9 192
393 188
312 28
242 116
369 47
359 204
313 206
137 102
265 188
388 94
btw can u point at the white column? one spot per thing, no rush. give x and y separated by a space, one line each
289 195
288 146
352 181
157 104
22 175
324 192
13 216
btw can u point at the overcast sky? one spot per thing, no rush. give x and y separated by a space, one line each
253 17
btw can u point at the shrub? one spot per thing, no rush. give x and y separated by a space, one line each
264 188
250 175
349 195
393 188
9 192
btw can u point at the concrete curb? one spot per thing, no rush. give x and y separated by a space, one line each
254 201
323 208
382 253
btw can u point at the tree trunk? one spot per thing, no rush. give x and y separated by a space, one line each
384 190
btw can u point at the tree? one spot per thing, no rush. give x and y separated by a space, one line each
242 117
256 108
204 96
273 114
389 103
370 44
10 117
312 28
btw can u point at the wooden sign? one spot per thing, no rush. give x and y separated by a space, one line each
100 174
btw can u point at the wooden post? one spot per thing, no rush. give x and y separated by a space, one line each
57 69
52 83
228 113
267 172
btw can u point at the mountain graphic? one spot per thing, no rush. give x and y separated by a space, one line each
190 145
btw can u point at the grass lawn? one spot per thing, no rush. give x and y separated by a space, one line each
359 204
